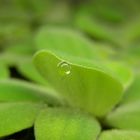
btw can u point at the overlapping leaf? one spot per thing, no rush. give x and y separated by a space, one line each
86 67
64 41
58 124
76 48
15 117
80 86
15 90
123 72
132 94
27 69
125 117
120 135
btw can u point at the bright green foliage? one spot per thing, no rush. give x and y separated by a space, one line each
132 94
123 73
120 135
125 117
4 72
59 124
74 47
79 85
18 116
16 90
27 69
65 43
87 59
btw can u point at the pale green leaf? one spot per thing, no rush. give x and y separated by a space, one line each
74 47
65 41
89 89
123 72
125 117
16 90
27 69
120 135
132 94
60 124
15 117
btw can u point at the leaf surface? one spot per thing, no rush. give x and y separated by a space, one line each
65 42
120 135
74 47
132 94
77 55
59 124
27 69
16 90
15 117
89 89
125 117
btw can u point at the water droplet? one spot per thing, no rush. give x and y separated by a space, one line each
64 68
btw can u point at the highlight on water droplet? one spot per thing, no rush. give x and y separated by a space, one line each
64 68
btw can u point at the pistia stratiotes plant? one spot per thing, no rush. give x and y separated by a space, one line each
84 95
73 88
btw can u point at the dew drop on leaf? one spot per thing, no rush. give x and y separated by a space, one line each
64 68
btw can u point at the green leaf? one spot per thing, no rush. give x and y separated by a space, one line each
120 135
16 90
125 117
27 69
65 42
15 117
56 124
4 72
123 72
91 26
88 88
133 92
76 48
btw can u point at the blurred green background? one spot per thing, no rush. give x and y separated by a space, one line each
114 25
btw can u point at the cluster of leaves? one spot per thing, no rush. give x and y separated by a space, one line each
83 83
